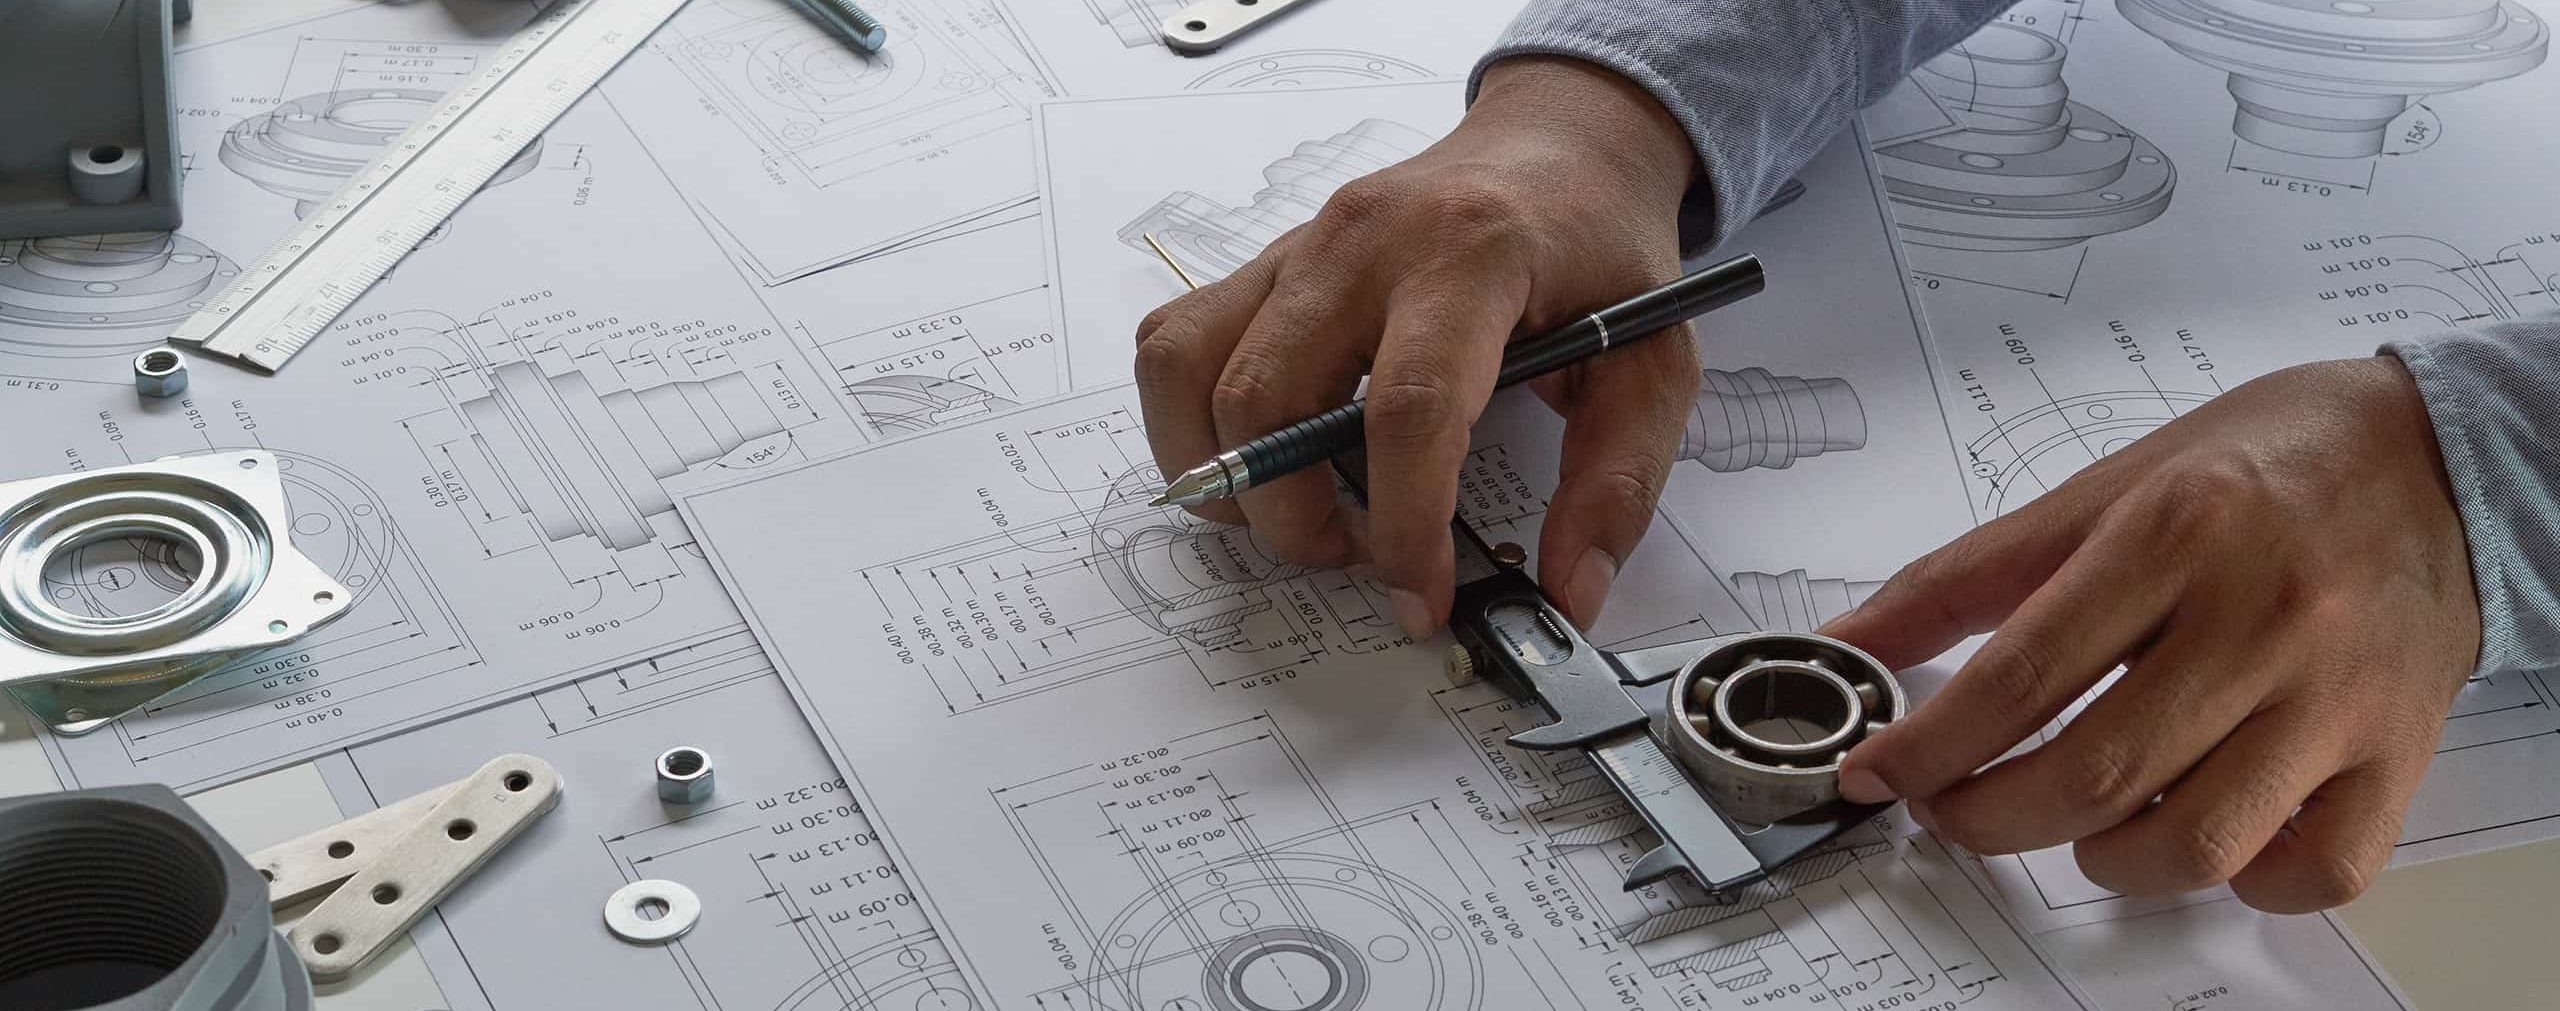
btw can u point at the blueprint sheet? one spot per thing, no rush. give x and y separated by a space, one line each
1210 750
768 123
2210 245
485 447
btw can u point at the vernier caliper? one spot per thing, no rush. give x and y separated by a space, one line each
1729 747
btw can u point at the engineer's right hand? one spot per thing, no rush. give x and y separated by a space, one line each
1558 193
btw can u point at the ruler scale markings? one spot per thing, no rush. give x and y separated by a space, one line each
391 205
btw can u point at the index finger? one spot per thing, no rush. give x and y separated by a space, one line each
1445 329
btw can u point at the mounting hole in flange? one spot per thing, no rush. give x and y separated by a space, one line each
517 782
385 894
325 944
460 829
341 850
1195 26
277 626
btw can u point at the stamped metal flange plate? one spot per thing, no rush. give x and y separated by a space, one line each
250 590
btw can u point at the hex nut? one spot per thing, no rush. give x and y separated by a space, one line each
160 372
684 775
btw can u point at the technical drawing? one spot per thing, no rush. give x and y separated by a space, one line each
1750 418
1991 153
835 113
1308 68
1187 578
396 630
817 917
306 147
1794 602
2325 80
2413 284
898 405
2033 452
586 468
81 296
1137 23
1252 892
1213 240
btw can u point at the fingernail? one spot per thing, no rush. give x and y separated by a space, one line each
1587 588
1411 612
1860 786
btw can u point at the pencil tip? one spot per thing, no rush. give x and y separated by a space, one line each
1161 499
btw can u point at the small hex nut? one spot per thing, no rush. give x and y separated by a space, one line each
684 776
160 372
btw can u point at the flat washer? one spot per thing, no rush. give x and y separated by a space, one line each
622 911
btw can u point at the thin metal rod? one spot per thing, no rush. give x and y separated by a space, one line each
1169 261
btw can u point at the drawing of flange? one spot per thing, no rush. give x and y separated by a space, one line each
1752 419
2026 168
1294 931
1181 575
2036 450
903 404
57 293
1213 240
305 147
1303 68
2325 77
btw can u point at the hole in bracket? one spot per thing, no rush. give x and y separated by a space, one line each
325 944
385 894
459 829
341 850
517 782
1195 26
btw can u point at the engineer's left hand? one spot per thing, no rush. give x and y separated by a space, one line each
2282 573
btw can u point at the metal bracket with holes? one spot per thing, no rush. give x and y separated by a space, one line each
383 870
1203 27
248 591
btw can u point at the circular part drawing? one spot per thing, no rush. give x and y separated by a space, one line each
2035 451
652 911
1213 240
2024 166
1305 68
69 296
1181 575
898 405
2325 77
1752 419
892 977
306 147
337 524
1286 932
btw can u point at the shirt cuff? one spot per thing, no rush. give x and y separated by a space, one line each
2493 396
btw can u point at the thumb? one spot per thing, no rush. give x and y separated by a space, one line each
1622 413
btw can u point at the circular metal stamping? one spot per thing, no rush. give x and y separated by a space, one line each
231 545
653 911
1763 720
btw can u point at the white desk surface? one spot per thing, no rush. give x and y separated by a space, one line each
2460 934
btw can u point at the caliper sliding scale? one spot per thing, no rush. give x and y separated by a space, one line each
1606 704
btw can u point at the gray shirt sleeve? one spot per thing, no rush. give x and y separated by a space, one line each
2493 394
1760 87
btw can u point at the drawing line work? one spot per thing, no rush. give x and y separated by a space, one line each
1136 23
1750 418
1229 882
305 147
803 910
1309 68
1212 240
1999 158
2325 79
81 296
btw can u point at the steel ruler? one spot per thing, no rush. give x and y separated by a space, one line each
289 295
